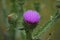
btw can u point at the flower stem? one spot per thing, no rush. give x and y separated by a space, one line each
28 31
28 35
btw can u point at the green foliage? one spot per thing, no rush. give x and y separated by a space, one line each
17 24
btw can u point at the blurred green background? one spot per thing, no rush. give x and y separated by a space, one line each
46 10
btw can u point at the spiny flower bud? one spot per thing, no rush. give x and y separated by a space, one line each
12 18
31 17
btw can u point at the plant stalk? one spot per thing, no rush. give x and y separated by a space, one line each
28 35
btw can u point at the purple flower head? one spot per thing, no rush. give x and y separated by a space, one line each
31 16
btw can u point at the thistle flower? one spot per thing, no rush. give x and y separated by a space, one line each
31 16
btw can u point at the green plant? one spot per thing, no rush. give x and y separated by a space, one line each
17 17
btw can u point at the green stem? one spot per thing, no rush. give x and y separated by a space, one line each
5 18
21 10
5 12
14 6
28 31
12 31
28 35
